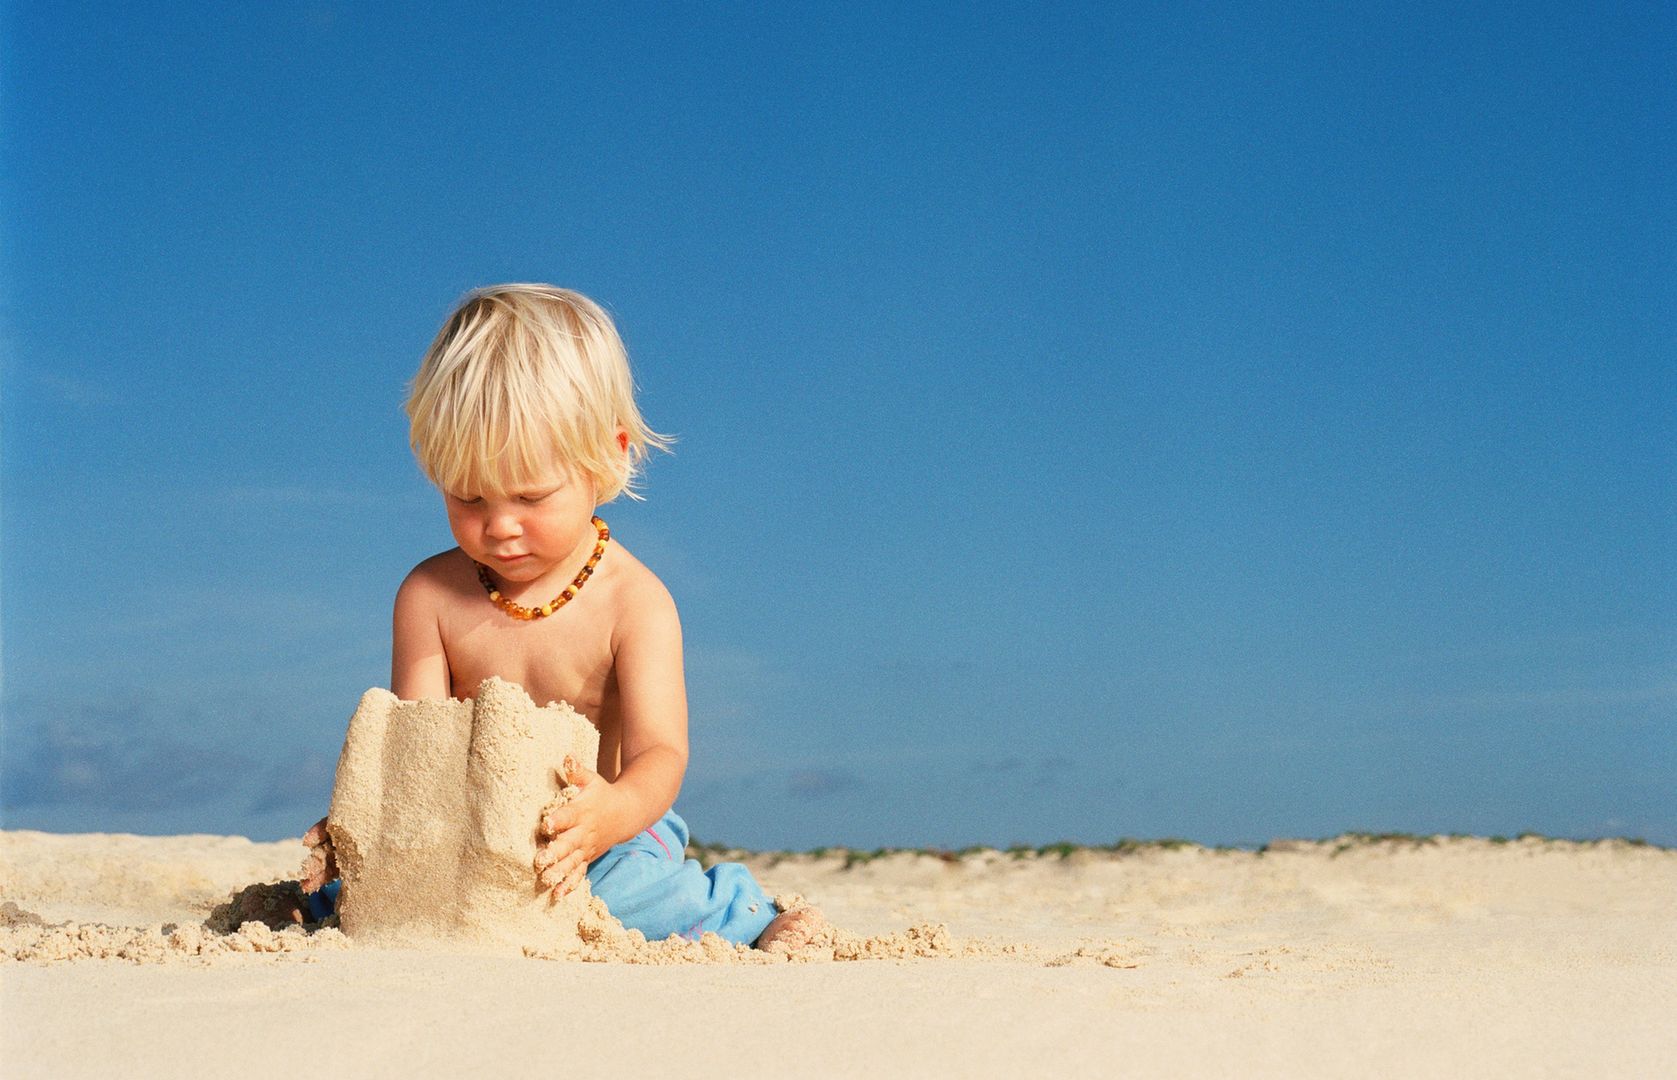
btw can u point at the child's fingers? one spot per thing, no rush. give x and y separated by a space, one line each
547 855
549 877
556 819
575 869
553 860
575 772
555 873
314 871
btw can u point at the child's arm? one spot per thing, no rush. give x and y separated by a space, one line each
418 664
652 697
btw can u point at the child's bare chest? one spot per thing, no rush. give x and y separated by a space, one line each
553 659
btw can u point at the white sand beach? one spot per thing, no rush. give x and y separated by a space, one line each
1436 957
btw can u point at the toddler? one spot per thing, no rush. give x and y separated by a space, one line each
523 415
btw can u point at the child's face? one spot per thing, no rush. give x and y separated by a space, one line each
527 534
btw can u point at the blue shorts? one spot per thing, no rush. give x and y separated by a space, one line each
650 886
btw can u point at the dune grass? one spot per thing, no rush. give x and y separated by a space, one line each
709 853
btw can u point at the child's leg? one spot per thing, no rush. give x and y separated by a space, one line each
650 885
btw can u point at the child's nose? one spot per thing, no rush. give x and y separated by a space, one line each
504 526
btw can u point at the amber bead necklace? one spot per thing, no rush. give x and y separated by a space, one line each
518 611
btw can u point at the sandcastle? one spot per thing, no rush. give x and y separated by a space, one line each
434 815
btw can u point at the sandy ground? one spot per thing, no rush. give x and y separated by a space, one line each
1453 957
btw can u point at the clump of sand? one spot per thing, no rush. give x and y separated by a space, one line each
11 915
260 918
434 817
606 941
24 935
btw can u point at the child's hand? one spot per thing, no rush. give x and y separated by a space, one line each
321 865
576 828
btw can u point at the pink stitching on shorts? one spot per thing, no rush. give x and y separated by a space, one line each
661 843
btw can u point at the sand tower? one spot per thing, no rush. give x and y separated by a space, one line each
434 816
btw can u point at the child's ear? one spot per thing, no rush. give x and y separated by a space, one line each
623 439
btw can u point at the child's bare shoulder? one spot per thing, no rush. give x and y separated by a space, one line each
641 600
435 581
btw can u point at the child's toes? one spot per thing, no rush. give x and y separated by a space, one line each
792 930
807 924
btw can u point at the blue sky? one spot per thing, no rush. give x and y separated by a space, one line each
1220 421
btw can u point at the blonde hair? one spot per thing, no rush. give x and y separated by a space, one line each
520 375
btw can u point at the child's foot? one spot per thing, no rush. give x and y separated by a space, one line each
792 930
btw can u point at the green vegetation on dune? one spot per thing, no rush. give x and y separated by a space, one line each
855 858
710 853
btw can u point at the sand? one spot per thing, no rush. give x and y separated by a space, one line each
435 808
1448 956
1443 957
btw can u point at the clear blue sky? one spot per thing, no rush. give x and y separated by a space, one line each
1222 421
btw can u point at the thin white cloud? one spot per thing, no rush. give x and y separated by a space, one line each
1568 697
72 390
